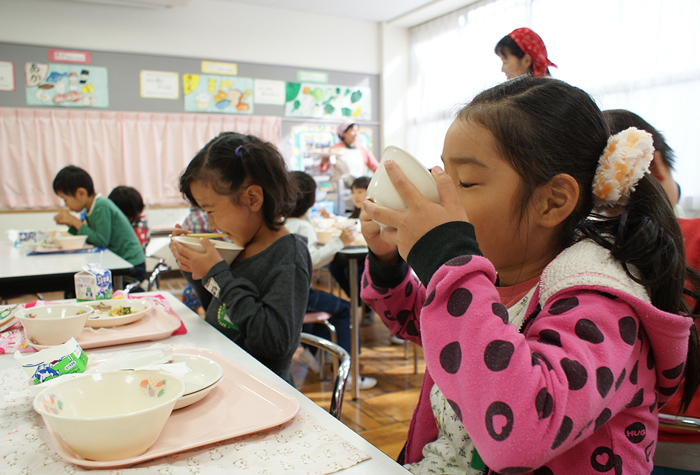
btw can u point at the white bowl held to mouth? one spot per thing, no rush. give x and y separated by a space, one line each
228 250
383 192
54 324
112 415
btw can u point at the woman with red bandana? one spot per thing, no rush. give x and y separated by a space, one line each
523 52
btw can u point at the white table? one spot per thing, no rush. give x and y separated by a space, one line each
21 273
201 334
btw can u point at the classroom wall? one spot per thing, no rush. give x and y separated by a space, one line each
215 29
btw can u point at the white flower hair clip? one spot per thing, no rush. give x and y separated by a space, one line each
624 162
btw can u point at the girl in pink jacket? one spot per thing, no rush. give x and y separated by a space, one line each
546 290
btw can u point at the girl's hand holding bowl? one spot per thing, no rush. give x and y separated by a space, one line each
191 261
404 228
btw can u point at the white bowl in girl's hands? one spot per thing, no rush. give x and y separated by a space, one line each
382 191
228 250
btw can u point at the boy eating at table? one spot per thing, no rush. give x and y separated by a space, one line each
104 224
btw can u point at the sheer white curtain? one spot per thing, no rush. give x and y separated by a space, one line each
641 55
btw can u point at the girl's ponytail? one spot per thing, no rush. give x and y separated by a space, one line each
643 234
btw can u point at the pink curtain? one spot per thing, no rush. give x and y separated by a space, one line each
148 151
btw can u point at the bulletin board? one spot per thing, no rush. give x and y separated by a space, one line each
335 96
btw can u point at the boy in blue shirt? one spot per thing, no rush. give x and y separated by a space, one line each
105 225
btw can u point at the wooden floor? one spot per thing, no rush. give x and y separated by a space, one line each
381 414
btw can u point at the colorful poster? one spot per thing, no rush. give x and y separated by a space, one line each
309 141
269 92
160 85
328 102
66 85
226 94
7 76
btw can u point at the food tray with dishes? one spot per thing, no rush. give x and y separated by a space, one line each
154 324
240 404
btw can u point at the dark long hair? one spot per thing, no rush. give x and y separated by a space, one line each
619 120
232 161
545 127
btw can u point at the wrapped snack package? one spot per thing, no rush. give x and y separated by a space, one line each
53 362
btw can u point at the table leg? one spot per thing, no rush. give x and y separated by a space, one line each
354 329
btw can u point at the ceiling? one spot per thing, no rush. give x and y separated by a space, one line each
365 10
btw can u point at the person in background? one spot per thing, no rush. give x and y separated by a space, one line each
352 158
339 267
129 200
105 225
523 52
552 330
322 254
675 448
258 301
359 193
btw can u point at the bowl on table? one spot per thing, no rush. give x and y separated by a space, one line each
70 242
54 324
228 250
383 192
112 415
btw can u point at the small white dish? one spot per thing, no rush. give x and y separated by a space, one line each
70 242
203 371
383 192
100 316
191 398
228 250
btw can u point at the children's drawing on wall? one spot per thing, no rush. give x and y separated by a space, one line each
66 85
211 93
328 102
309 141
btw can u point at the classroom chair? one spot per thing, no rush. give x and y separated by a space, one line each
154 265
341 374
322 318
666 452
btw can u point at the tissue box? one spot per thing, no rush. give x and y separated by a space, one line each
53 362
93 283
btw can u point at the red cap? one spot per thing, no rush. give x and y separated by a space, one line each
531 43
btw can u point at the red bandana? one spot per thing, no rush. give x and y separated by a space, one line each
531 43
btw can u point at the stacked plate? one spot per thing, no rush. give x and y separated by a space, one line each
204 375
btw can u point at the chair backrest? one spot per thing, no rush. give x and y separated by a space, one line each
679 422
343 369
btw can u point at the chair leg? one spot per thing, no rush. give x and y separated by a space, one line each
334 339
415 359
405 349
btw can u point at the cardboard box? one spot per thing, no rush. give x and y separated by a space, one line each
93 283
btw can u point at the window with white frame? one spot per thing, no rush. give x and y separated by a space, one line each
640 55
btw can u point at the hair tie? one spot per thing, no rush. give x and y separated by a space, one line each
624 162
238 151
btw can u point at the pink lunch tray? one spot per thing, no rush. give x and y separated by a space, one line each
157 324
241 404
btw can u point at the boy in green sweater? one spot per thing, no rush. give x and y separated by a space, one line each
105 225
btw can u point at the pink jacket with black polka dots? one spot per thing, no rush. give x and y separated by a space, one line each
576 390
